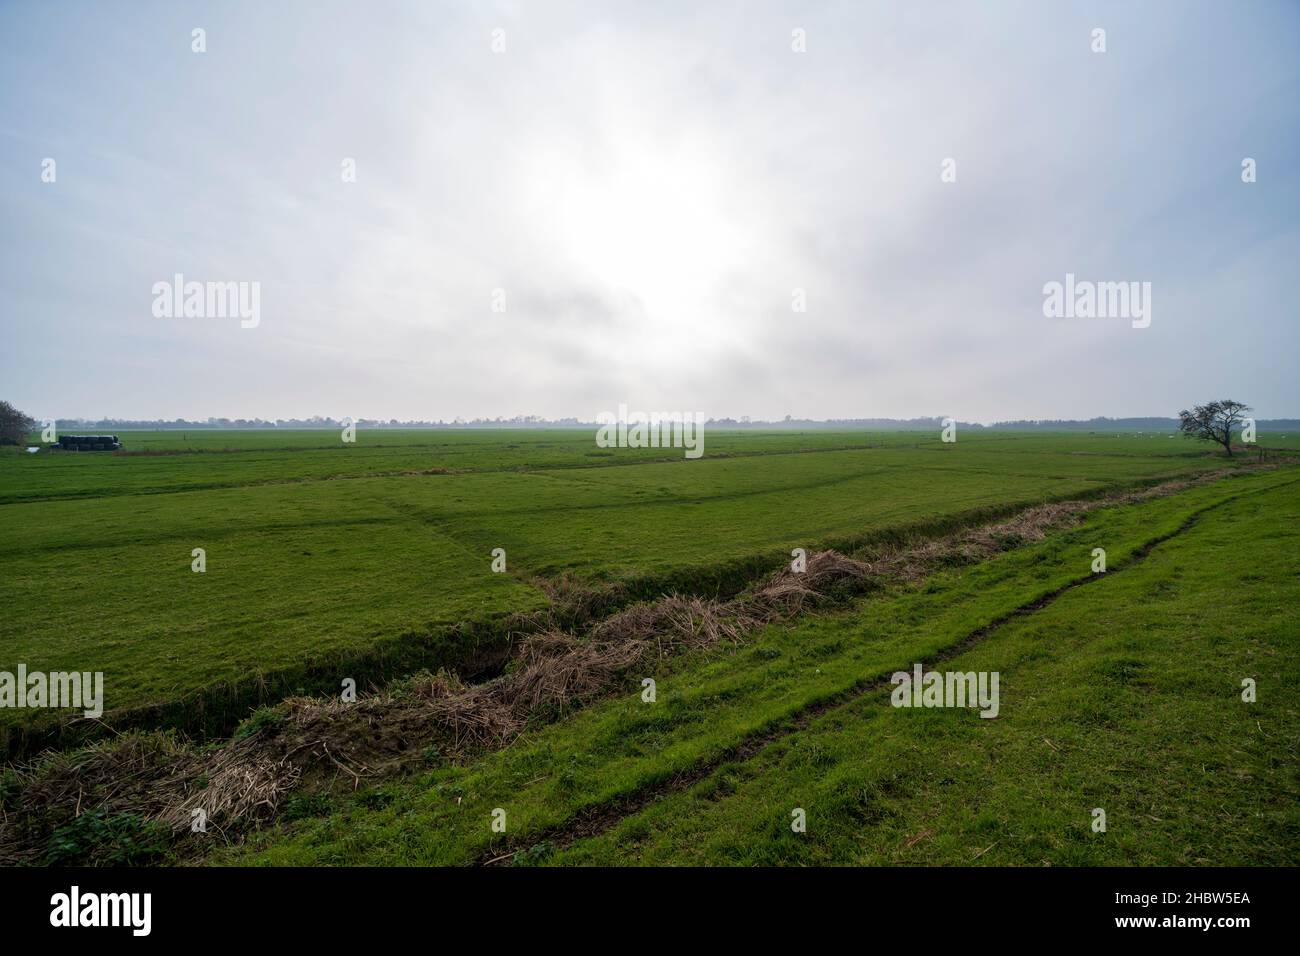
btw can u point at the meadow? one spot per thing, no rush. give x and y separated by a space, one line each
304 568
374 561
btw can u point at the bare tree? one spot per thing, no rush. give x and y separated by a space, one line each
14 425
1213 421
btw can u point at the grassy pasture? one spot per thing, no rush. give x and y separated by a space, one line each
162 461
1124 696
1136 670
205 459
309 580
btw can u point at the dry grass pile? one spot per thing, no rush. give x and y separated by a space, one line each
787 592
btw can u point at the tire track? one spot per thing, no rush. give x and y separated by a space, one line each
596 820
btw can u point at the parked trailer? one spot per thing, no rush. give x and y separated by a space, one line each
89 443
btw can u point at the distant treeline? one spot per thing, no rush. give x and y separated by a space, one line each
534 421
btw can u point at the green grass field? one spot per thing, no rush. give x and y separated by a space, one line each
301 569
374 560
1140 668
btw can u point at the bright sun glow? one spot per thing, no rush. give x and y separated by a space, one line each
654 229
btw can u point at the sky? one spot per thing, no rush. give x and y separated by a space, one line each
558 208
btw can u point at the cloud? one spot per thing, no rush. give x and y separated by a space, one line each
648 186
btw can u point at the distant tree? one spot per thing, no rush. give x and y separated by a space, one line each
1214 422
14 425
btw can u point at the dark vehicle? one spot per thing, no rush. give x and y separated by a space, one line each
89 443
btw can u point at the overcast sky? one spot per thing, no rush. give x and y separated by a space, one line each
648 184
